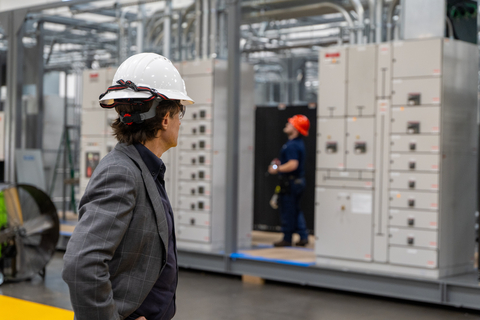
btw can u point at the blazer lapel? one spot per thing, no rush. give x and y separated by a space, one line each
160 214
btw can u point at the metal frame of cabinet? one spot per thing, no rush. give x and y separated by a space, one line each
199 161
419 218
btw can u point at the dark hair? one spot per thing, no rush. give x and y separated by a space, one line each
142 132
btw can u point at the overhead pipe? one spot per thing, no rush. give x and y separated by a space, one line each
213 26
371 12
379 22
184 31
152 29
179 37
198 16
141 29
306 11
361 13
391 10
205 28
167 29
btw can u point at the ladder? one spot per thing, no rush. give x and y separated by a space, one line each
65 150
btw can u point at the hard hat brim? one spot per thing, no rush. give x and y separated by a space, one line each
128 93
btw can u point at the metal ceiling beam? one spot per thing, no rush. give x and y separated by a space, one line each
54 5
107 27
297 12
317 42
86 8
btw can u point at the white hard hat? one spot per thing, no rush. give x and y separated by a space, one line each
146 76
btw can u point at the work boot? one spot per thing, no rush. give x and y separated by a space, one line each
282 243
302 243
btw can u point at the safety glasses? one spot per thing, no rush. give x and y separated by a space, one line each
181 114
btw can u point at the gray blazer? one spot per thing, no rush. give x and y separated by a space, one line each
117 250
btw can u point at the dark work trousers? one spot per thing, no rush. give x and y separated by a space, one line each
293 220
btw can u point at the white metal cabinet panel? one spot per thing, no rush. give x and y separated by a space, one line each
109 75
195 173
414 120
361 80
112 115
413 219
197 67
195 143
194 188
194 203
417 58
195 112
195 158
414 200
331 143
414 162
413 92
343 223
360 144
384 71
193 233
193 218
94 84
423 258
332 82
94 122
197 128
200 88
414 181
415 143
414 237
343 179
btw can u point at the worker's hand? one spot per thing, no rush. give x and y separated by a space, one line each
273 169
141 318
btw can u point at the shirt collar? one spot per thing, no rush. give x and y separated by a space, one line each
154 164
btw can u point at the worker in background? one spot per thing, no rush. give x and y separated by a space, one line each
121 261
291 170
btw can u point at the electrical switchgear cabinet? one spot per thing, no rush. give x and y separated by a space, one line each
422 136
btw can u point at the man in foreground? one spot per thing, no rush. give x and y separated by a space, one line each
121 260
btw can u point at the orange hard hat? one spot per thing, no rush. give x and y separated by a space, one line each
301 123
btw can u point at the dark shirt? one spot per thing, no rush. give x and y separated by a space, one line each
160 302
294 150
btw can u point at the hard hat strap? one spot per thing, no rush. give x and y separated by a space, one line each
122 85
129 119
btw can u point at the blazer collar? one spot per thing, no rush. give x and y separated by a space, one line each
160 215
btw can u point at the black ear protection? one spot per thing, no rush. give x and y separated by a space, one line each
136 117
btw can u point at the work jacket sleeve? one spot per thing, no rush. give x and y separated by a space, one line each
105 213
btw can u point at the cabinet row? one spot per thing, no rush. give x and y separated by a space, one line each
405 93
364 179
197 121
361 201
345 226
351 78
404 120
364 160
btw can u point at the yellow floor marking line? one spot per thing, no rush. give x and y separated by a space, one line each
16 309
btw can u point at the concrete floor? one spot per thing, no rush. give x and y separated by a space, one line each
203 296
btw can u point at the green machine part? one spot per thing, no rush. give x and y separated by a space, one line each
3 218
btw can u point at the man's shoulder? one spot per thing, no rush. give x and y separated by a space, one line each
117 158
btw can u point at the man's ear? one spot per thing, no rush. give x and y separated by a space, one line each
166 121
